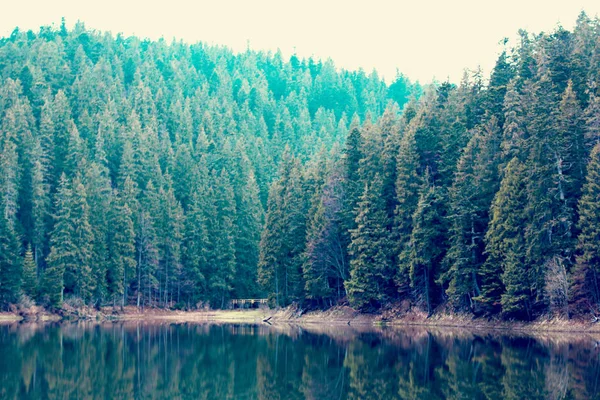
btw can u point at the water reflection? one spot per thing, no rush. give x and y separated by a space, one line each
133 360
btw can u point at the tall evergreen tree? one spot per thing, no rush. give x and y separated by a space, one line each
195 250
586 281
79 277
223 258
30 274
371 267
62 248
427 247
10 264
505 274
475 183
408 184
121 250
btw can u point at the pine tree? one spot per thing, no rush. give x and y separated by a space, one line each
10 264
148 252
408 184
248 224
475 183
99 198
352 182
295 208
121 250
30 278
316 267
371 268
223 259
504 275
195 249
427 247
79 278
62 248
170 229
501 76
40 202
271 247
283 239
586 286
10 170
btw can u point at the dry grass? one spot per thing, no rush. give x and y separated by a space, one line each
9 317
338 315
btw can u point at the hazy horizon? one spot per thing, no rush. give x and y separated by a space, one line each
425 41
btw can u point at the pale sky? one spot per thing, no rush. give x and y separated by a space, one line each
424 39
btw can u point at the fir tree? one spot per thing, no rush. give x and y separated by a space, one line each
195 250
10 264
586 286
427 247
30 277
371 268
121 250
408 184
471 195
316 267
79 276
504 276
223 257
271 247
170 231
62 248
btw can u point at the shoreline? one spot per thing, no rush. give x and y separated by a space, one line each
335 316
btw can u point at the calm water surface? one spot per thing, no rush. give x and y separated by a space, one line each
193 361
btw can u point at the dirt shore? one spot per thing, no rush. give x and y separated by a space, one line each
339 315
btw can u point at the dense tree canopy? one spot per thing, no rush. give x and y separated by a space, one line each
174 175
138 172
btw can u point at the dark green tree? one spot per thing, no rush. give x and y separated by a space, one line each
428 245
371 266
62 248
30 274
586 275
505 275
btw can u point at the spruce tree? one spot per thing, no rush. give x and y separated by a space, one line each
99 198
371 268
271 247
352 182
586 286
30 277
40 203
408 184
148 247
62 248
471 194
504 275
121 249
249 218
79 276
195 249
10 264
170 228
428 244
315 269
223 258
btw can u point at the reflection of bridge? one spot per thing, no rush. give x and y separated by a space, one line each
247 303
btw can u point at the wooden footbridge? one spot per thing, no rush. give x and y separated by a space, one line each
247 303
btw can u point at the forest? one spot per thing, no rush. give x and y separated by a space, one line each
156 174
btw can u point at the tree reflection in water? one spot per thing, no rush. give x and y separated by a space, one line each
168 360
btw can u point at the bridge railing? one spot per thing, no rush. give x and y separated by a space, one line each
251 303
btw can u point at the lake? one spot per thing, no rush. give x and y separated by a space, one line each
208 361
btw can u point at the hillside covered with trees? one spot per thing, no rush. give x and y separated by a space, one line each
174 175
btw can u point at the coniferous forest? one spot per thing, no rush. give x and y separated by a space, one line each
163 174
